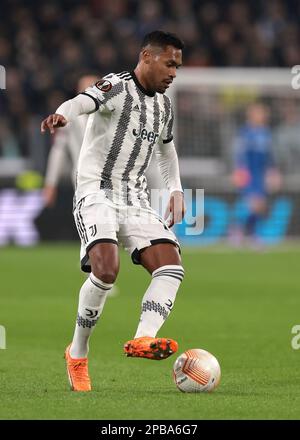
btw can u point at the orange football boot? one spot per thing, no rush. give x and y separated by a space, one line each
78 374
151 348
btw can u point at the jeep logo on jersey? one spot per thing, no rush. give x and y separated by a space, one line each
144 134
104 85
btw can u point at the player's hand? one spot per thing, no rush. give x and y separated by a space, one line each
240 178
49 194
176 208
53 122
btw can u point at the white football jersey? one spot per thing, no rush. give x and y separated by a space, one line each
119 139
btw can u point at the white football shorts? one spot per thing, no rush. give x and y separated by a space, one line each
101 221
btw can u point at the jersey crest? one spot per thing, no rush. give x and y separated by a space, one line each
104 85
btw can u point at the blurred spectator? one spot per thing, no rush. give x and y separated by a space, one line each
255 173
46 47
287 138
8 141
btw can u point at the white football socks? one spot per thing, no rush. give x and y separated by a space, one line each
92 298
159 299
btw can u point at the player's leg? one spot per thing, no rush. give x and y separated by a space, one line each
257 208
157 250
158 255
163 262
99 256
104 260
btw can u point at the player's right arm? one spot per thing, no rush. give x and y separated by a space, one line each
67 111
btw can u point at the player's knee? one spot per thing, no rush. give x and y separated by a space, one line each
109 277
105 262
159 255
105 274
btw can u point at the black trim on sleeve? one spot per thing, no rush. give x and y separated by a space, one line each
168 140
94 99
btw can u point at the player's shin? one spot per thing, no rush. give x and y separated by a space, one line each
159 299
92 298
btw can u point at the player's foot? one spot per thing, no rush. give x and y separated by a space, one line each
78 374
151 348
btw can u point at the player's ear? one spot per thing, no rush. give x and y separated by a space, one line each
145 56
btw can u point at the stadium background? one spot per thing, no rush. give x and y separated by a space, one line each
45 49
237 297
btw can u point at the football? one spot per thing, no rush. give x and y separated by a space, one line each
196 371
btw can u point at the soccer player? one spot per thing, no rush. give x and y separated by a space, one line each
255 169
130 117
66 147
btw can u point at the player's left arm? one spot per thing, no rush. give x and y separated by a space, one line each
169 167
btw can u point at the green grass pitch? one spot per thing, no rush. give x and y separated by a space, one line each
241 306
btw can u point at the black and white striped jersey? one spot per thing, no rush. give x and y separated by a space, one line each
120 137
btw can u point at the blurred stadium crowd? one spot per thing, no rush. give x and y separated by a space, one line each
45 47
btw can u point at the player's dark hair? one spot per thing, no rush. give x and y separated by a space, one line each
162 39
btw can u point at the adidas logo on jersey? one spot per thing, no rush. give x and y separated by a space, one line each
136 108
